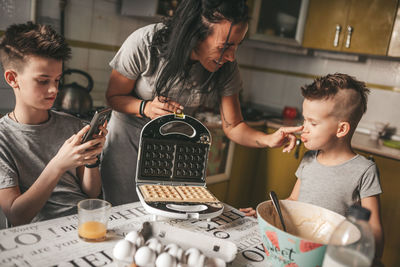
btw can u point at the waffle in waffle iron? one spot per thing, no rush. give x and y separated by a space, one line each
168 193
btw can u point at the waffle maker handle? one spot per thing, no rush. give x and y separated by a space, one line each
153 129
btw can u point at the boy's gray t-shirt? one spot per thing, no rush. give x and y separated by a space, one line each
25 150
337 187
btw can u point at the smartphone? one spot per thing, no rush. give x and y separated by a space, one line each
98 119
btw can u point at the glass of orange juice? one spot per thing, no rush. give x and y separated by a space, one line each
92 219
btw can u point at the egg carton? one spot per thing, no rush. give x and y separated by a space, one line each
160 244
171 169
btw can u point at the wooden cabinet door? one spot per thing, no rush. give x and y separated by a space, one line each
243 176
322 18
389 170
390 208
372 23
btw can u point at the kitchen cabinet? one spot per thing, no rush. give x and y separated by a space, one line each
277 21
394 47
389 170
243 176
356 26
219 190
219 164
275 171
237 189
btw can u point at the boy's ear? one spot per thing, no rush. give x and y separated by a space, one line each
343 129
11 78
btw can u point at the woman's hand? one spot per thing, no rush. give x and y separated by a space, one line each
284 136
73 154
161 106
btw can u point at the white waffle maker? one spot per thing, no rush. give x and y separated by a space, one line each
173 151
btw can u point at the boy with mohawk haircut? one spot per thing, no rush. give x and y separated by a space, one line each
44 169
331 175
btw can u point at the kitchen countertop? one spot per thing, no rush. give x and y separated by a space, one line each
362 142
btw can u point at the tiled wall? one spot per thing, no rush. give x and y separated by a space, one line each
96 21
99 21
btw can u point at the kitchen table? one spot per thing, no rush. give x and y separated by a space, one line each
56 242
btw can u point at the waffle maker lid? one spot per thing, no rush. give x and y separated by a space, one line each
173 150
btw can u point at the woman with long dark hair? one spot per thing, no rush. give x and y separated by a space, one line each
177 66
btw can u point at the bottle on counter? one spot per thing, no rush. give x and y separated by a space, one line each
352 243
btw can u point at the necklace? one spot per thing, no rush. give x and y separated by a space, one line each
15 117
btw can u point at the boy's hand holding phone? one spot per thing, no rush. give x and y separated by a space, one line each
99 118
74 153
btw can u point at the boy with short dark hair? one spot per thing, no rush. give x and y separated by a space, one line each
42 160
331 174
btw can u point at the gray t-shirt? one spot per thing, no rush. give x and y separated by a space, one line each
25 150
337 187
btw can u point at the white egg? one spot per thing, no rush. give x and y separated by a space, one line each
155 245
145 256
175 251
215 262
165 260
194 257
201 261
124 251
135 237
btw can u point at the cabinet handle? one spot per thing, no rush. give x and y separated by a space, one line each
337 33
349 32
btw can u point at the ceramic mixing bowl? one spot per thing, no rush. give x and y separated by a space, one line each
309 228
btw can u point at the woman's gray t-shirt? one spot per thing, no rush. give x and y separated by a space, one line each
337 187
25 150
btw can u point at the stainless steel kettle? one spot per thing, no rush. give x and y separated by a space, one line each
74 98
